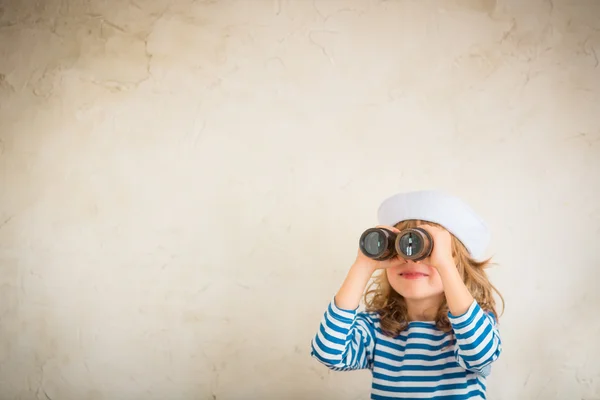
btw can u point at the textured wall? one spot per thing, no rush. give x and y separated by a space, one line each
182 184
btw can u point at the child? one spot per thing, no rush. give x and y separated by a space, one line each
430 328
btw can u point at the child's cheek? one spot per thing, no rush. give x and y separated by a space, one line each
435 280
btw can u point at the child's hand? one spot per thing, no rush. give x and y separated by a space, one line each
351 291
441 254
363 261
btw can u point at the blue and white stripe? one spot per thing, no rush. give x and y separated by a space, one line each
421 362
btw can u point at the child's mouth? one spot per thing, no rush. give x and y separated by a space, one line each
413 275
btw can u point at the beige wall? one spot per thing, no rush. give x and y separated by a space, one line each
182 184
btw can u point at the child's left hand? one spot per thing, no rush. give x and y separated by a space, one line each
441 254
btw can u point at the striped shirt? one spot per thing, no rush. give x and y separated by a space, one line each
420 363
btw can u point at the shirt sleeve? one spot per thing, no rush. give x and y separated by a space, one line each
478 339
345 340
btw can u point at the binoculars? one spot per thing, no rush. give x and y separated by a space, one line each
382 244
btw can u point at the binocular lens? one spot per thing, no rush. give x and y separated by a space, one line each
377 243
374 243
410 244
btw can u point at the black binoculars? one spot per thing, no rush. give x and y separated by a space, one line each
382 244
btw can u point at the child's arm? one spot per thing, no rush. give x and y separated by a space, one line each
457 294
478 340
351 291
346 339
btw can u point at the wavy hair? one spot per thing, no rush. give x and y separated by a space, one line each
382 299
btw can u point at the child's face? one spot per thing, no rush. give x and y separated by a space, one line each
415 281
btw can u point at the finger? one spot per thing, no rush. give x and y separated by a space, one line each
390 228
429 228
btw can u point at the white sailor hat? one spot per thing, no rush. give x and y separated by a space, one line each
441 208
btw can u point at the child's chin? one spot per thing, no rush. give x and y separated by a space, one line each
412 293
415 296
415 293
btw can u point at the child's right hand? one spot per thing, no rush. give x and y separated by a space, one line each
362 261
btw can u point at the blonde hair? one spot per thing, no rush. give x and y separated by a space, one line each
382 299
